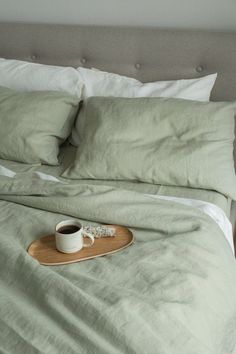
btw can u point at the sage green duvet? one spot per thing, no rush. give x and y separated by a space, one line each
172 292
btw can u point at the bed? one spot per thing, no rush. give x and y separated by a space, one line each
173 291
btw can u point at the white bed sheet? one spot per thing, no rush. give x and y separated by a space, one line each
216 213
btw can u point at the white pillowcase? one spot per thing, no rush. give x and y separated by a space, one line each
24 76
100 83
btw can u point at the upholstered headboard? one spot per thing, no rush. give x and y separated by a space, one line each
145 53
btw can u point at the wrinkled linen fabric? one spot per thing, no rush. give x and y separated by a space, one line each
215 212
172 291
159 141
100 83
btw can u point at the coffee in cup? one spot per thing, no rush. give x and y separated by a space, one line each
69 235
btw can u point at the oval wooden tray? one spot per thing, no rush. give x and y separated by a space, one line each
44 249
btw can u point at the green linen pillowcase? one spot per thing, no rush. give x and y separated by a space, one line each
158 140
34 124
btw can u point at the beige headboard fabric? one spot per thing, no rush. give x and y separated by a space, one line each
147 54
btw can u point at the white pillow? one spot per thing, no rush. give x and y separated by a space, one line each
24 76
100 83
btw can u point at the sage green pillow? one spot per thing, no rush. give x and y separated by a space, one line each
34 124
158 140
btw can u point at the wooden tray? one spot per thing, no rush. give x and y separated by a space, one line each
44 249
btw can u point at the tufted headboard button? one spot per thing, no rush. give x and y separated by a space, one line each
83 60
33 57
137 66
199 68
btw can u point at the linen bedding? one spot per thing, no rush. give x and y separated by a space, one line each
67 156
100 83
157 140
173 291
35 124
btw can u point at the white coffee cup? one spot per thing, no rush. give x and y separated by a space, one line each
69 235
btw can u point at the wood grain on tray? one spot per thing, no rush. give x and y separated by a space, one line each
45 252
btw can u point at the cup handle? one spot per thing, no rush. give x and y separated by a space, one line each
91 239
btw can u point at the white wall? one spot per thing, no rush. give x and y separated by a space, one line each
204 14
